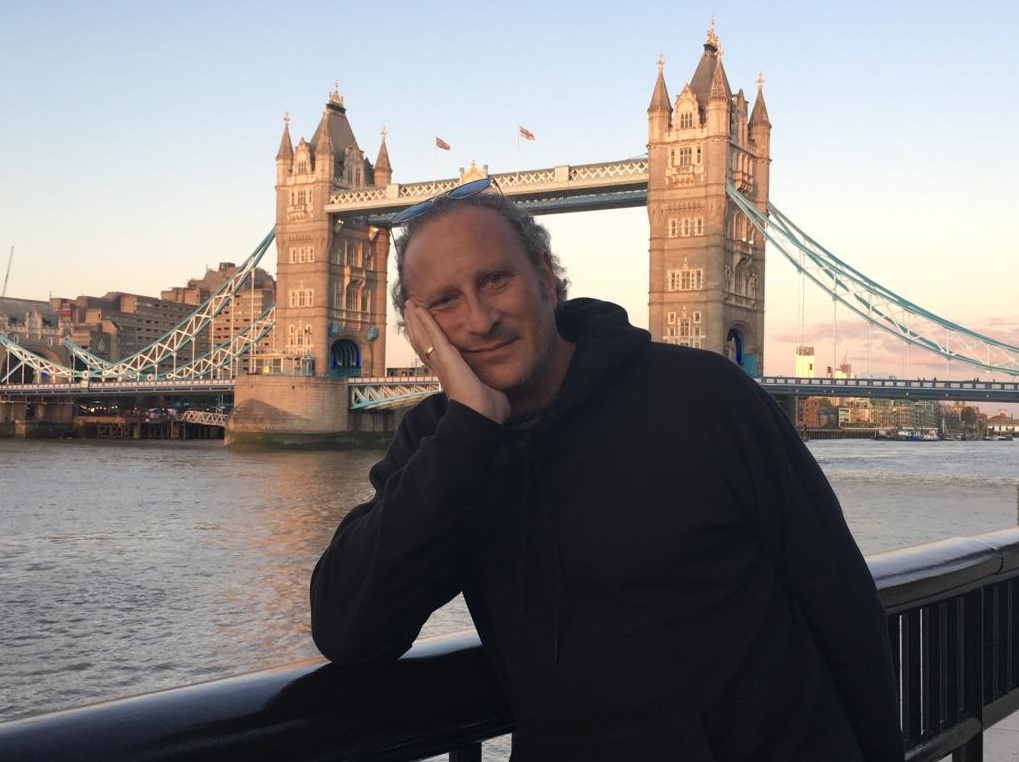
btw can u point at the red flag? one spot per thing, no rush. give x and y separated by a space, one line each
440 143
525 133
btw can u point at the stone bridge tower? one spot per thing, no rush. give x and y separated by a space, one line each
331 276
706 285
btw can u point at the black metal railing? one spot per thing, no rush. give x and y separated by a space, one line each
953 616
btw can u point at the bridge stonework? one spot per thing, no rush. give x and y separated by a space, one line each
706 284
302 411
331 275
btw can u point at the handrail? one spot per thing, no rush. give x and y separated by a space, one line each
441 695
950 609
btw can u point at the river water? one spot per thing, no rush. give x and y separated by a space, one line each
131 567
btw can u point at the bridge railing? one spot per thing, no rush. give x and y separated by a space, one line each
893 388
953 616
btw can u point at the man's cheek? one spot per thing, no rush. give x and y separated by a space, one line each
442 319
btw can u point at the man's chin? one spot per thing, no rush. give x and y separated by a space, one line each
504 380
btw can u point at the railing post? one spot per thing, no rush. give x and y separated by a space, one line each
976 632
469 753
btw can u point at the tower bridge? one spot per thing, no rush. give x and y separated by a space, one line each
704 180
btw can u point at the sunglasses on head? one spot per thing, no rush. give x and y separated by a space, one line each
472 188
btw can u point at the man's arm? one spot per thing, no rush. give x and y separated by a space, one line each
397 558
805 534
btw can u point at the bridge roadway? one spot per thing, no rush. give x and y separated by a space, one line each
894 388
364 393
392 391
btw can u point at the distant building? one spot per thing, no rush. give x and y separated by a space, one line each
36 326
118 325
1002 424
815 413
804 362
858 411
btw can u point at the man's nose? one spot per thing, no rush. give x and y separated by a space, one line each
481 315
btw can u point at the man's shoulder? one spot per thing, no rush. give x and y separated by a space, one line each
690 371
423 417
689 358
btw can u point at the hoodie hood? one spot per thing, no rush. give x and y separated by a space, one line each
605 343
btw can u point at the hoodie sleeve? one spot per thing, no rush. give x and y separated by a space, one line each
396 558
819 563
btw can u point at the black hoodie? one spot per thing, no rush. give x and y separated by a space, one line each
656 566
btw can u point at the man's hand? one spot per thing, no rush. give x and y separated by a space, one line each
458 381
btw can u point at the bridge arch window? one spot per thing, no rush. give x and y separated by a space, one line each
298 336
351 253
302 254
685 227
352 297
685 280
302 297
686 120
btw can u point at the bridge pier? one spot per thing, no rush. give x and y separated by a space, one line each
275 411
36 420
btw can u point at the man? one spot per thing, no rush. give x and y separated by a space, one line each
655 565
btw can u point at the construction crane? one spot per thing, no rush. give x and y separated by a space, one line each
10 259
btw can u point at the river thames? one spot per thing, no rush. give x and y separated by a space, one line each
131 567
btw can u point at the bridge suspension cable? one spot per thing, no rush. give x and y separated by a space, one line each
163 358
878 305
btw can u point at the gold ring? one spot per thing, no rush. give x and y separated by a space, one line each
428 352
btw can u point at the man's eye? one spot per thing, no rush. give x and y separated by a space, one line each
496 279
443 302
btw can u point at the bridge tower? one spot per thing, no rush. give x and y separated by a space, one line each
706 284
331 275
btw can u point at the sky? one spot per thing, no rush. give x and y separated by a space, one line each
140 138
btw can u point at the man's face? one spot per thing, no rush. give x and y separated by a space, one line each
470 271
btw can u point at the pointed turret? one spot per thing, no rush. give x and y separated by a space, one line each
285 155
759 114
659 111
760 138
286 152
383 169
660 96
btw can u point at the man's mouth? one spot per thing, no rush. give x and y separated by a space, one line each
489 349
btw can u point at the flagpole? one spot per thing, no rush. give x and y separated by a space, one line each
518 152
